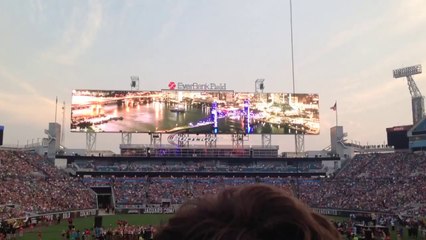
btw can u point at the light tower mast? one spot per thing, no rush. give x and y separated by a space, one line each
126 137
417 99
299 138
63 124
259 86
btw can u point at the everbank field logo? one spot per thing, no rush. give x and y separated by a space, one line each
172 85
197 86
176 140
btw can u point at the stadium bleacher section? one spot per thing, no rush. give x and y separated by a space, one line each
30 185
196 166
392 183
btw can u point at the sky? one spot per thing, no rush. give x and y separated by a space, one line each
343 50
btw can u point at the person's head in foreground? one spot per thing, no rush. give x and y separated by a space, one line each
252 212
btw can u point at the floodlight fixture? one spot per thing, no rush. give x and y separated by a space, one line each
259 85
134 82
417 99
407 71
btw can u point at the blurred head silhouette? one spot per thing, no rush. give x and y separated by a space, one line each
254 212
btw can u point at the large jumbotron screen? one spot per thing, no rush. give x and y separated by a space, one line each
200 112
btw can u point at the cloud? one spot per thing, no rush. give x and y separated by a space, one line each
372 88
169 26
396 20
384 88
23 104
371 97
77 40
37 11
340 38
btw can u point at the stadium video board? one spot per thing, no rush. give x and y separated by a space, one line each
279 113
199 112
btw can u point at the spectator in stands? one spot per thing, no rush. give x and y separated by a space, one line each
250 212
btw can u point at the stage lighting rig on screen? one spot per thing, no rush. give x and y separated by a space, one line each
407 71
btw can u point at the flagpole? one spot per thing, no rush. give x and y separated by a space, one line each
56 107
337 122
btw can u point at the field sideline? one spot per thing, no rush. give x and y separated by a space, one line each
54 231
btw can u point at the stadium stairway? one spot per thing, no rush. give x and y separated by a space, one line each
343 167
102 212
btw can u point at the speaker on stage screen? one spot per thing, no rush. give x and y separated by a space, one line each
1 135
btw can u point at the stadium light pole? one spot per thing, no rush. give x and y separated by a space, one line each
292 47
63 125
56 108
134 83
299 139
126 137
259 86
417 99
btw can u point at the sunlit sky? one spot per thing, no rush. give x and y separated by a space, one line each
343 50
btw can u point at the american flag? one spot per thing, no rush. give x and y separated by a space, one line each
334 107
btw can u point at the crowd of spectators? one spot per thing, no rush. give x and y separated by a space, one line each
30 185
205 166
393 182
122 231
136 191
390 183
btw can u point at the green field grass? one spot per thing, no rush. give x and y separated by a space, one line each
54 231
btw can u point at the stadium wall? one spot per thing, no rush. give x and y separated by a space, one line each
199 174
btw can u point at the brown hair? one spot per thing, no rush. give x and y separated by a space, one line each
253 212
